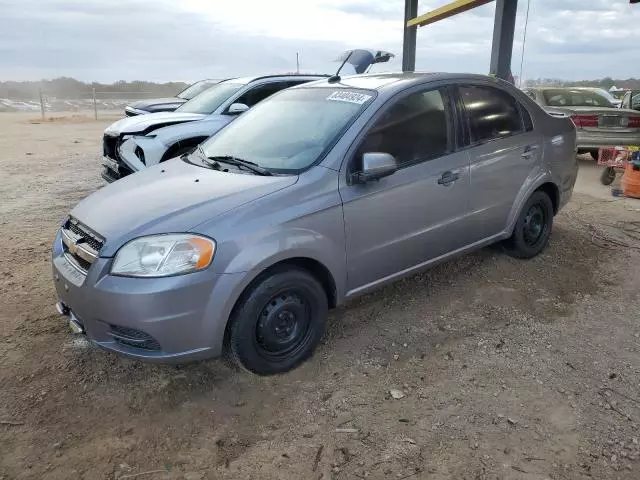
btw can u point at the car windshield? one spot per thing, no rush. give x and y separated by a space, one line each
198 87
210 99
290 131
575 98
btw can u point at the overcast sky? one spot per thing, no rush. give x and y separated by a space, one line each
163 40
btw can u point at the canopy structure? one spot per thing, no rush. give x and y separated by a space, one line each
503 29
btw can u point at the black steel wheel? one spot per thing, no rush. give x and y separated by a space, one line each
608 176
533 227
278 322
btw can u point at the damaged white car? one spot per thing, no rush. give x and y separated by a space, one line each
134 143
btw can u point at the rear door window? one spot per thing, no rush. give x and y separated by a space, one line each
491 113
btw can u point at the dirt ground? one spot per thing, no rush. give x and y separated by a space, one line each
509 369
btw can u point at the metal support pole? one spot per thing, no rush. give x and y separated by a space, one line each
409 42
41 105
503 28
297 63
95 105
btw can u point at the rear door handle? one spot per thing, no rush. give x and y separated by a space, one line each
448 178
529 150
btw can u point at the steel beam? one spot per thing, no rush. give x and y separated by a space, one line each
503 29
441 13
409 42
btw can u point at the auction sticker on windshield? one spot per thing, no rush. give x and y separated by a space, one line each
351 97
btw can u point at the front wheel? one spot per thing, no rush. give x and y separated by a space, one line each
533 227
278 323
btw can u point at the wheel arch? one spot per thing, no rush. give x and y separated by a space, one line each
543 182
180 144
311 265
553 191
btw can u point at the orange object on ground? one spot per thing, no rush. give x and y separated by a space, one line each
630 182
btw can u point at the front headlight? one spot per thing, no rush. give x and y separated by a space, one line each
163 255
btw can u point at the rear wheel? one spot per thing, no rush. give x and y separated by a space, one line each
278 323
533 227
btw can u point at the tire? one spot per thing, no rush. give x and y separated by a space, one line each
533 227
278 323
608 176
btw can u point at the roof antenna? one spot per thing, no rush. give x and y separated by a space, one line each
336 77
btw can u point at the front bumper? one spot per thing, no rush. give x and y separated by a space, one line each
151 150
163 320
593 140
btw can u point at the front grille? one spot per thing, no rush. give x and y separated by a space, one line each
87 237
110 146
78 235
133 338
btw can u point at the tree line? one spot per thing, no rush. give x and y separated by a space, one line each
72 89
606 83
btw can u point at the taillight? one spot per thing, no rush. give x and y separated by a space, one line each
634 122
585 120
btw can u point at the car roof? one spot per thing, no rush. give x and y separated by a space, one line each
294 76
392 80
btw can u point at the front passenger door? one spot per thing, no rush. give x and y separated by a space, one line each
417 214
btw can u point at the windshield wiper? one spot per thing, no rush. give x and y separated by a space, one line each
239 162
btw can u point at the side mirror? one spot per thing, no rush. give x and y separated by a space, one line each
375 165
237 108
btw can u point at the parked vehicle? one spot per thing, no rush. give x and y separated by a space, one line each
155 105
320 193
631 100
132 144
598 123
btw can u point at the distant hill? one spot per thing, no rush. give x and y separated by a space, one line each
70 88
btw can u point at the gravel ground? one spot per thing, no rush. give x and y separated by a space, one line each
506 369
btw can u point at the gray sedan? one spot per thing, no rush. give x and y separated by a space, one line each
598 123
321 193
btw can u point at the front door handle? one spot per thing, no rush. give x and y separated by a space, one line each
529 150
448 178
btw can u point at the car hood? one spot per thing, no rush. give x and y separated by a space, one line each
203 128
154 102
149 122
172 197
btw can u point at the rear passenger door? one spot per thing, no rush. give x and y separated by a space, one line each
504 152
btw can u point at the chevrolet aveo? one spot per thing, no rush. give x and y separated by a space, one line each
323 192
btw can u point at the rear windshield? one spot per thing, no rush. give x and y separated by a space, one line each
574 98
210 99
197 88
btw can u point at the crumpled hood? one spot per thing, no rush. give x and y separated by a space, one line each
172 197
145 123
156 102
202 128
